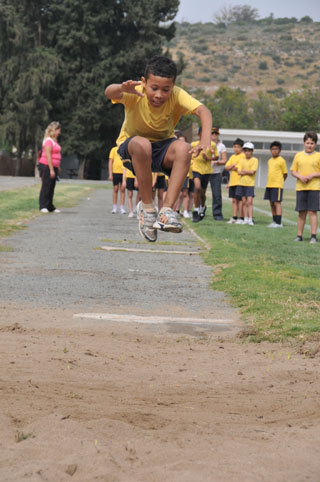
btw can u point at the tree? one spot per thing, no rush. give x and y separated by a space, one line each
26 74
266 112
57 57
230 109
301 111
235 14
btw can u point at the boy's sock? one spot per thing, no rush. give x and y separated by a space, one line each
277 219
274 218
313 236
147 207
242 219
197 209
114 206
235 217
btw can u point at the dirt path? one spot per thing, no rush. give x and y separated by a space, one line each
105 400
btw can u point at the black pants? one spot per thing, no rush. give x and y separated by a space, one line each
47 187
215 183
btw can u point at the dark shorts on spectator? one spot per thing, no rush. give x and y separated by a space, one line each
273 194
308 200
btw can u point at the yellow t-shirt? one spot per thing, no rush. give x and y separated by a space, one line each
277 167
234 176
201 165
250 165
154 123
305 164
190 176
117 166
129 174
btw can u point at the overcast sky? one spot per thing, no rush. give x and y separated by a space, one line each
193 11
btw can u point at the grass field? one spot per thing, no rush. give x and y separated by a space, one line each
20 205
274 281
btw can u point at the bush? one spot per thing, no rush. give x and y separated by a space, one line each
263 65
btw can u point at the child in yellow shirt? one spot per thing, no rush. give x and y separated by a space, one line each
306 169
247 169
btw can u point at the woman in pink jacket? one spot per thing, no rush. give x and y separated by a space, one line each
49 167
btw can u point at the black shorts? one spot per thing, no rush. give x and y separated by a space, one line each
308 200
130 184
204 178
116 179
273 194
232 193
159 150
161 183
185 184
191 186
245 191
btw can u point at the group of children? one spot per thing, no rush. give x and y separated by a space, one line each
147 144
305 167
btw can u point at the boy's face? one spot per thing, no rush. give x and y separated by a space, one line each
157 89
309 145
275 151
248 153
237 148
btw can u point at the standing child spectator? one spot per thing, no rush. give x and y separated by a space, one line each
158 184
146 142
130 182
247 169
216 175
232 167
115 175
277 174
201 170
306 169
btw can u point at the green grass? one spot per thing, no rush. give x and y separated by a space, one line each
20 205
274 281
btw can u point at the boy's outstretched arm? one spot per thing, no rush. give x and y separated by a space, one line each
206 126
115 91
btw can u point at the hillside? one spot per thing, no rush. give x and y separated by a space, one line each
277 58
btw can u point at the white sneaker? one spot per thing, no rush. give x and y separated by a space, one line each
245 221
186 214
239 221
114 211
122 210
233 221
250 222
56 211
272 225
44 210
131 215
278 226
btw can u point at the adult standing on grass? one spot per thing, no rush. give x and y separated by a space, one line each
49 167
216 176
306 169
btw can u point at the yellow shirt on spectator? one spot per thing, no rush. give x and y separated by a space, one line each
201 165
306 164
117 166
250 165
277 167
234 176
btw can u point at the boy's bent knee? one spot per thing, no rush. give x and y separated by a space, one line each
139 144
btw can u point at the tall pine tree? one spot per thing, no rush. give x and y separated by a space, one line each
58 56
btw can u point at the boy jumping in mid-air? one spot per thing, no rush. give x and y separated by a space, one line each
153 107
